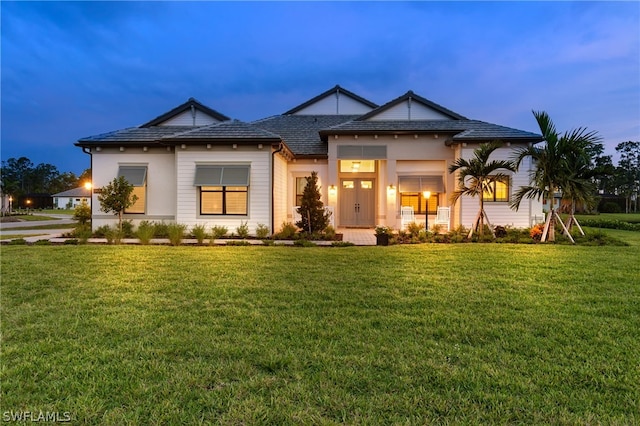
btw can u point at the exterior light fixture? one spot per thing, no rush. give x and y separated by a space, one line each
332 190
426 195
391 189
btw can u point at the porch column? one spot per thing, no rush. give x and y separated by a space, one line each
392 194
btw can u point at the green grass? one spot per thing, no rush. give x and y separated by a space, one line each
52 226
444 334
14 236
34 218
624 217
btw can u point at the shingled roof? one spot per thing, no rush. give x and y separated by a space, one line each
226 131
301 133
459 130
191 102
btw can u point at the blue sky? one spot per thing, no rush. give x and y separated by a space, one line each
75 69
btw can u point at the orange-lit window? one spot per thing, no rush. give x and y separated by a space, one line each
499 191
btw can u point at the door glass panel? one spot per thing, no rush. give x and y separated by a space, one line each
366 184
347 184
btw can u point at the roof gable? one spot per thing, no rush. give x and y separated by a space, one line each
410 107
190 113
335 101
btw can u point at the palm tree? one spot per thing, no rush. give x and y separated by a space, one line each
554 169
477 176
579 186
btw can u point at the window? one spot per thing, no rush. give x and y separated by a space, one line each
224 190
136 176
301 183
223 200
499 191
357 166
418 202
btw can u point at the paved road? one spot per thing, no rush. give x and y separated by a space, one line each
8 228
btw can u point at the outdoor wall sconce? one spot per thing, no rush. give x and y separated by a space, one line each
183 146
234 146
332 190
391 189
122 149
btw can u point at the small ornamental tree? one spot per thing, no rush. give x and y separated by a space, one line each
313 216
116 197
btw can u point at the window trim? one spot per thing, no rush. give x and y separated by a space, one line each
491 198
224 191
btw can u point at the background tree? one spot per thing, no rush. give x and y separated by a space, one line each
628 173
313 217
20 176
602 169
116 196
552 173
85 177
477 177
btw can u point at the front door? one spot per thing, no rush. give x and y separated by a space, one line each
357 202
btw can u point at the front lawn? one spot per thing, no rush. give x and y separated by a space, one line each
436 333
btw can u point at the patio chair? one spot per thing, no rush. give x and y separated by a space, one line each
443 216
406 216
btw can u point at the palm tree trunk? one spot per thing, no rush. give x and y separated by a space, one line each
548 234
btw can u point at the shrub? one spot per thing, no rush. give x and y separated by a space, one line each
101 231
71 242
127 229
42 243
330 233
598 238
262 231
217 232
145 232
414 229
303 243
610 224
199 232
18 242
111 233
82 232
176 233
500 231
536 232
160 230
243 230
610 207
82 213
342 244
238 243
287 231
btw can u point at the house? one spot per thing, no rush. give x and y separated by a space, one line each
194 165
71 198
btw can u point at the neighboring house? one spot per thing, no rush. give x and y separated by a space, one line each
71 198
194 165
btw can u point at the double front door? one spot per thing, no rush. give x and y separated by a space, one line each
357 202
